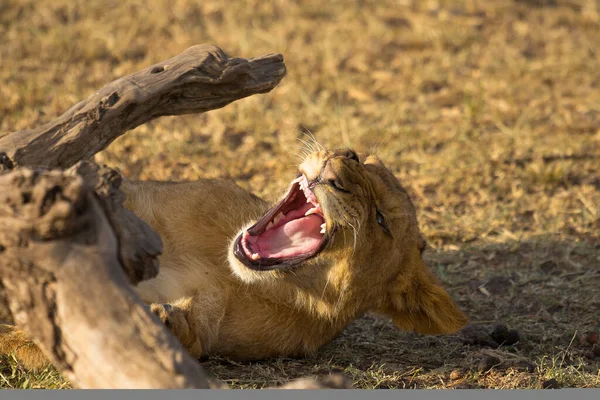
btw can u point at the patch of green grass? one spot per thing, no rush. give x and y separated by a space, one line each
14 376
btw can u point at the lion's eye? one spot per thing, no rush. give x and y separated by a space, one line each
382 223
380 219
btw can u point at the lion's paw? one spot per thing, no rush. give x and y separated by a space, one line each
165 313
176 320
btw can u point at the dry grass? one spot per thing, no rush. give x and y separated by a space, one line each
488 111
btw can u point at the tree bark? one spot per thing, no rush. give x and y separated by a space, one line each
201 78
139 244
65 286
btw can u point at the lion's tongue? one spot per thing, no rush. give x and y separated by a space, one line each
294 238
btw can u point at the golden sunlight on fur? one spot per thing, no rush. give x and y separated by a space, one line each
249 280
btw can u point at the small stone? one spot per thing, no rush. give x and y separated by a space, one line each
591 337
476 335
526 366
549 384
456 374
505 337
512 338
488 363
499 331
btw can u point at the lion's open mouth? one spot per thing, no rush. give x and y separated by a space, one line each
291 232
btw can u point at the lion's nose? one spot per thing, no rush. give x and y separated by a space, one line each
351 155
330 176
346 153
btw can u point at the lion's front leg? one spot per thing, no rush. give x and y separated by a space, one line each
178 318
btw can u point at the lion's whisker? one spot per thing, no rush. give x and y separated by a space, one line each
308 146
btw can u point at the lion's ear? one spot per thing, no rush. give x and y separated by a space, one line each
423 305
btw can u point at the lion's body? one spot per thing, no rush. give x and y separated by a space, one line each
196 221
216 304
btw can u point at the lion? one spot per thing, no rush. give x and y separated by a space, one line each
249 280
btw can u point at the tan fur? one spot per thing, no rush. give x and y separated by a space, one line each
216 305
14 342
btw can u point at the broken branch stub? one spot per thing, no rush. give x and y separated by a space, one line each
64 285
201 78
139 244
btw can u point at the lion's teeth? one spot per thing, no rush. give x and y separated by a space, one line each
311 211
277 218
323 228
270 225
255 256
245 235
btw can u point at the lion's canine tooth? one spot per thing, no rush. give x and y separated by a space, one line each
245 235
255 256
323 227
270 225
277 218
301 181
311 211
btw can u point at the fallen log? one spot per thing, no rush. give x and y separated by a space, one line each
139 245
66 288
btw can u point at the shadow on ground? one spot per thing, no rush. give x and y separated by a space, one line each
544 289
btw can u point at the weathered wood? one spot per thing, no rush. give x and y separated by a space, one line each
66 288
6 163
201 78
5 314
139 244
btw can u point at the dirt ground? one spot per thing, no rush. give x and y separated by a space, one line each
487 111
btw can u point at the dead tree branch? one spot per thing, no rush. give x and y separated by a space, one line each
66 288
201 78
139 245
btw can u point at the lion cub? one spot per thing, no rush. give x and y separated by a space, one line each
249 280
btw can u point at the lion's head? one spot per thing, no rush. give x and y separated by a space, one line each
347 231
